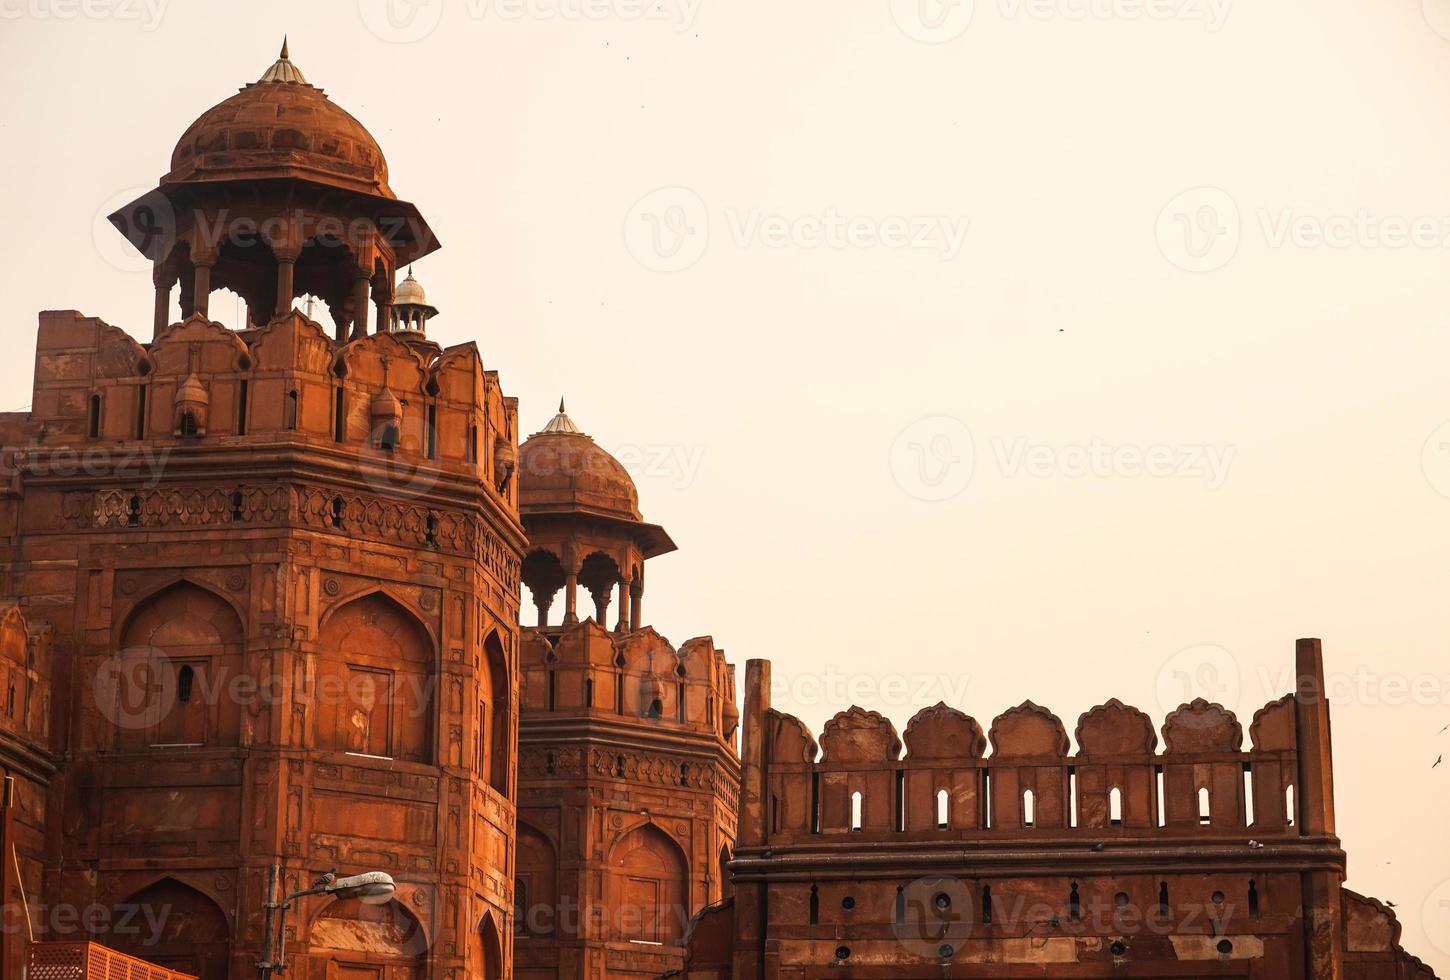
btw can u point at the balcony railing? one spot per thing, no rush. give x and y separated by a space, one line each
91 961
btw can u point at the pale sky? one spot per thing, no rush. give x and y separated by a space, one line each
804 264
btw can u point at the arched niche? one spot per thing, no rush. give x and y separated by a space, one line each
536 884
495 748
180 655
485 957
350 939
174 925
649 887
375 667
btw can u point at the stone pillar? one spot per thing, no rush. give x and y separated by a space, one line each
360 287
623 624
286 277
636 605
162 280
1314 798
383 298
201 286
751 913
571 594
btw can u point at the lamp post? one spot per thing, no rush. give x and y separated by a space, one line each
370 888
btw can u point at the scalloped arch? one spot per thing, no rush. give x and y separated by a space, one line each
858 735
943 732
1028 730
1201 726
1115 728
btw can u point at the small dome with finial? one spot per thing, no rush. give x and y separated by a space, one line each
561 423
560 467
410 291
283 70
280 126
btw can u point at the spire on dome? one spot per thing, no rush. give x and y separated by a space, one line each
561 423
282 69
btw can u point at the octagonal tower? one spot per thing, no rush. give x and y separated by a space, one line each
274 610
628 772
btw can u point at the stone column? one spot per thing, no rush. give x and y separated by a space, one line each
162 280
286 277
623 624
571 594
1314 798
360 288
201 285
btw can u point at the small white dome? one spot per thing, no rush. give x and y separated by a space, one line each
409 291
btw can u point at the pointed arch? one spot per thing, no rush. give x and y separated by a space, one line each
495 728
192 936
486 949
536 883
375 667
649 887
180 631
727 885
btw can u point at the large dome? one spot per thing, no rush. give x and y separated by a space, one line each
280 126
563 470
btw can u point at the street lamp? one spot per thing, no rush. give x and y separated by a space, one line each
370 888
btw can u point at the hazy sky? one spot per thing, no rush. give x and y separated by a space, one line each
968 354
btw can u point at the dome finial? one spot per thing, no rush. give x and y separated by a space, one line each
282 69
562 423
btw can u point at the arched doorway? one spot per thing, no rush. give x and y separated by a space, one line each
353 941
173 925
650 887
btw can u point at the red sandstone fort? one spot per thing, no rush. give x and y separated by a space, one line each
261 632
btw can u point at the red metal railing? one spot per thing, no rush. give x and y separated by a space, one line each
91 961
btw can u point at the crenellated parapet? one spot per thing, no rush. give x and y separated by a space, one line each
1012 849
635 678
1116 784
385 404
